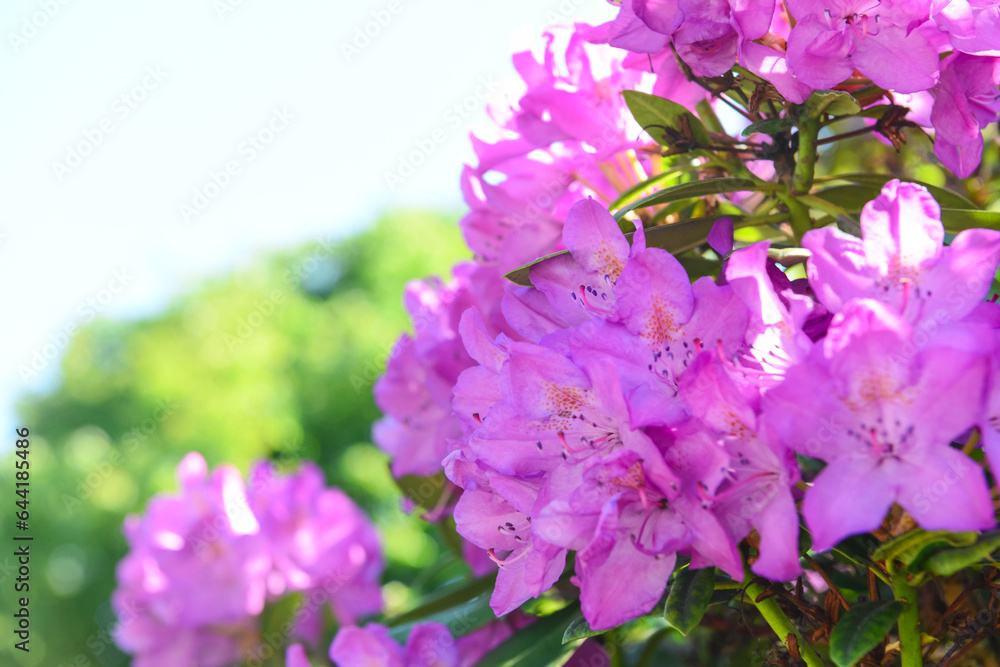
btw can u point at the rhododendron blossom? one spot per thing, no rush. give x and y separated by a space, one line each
901 262
428 645
966 100
664 391
833 37
203 563
890 431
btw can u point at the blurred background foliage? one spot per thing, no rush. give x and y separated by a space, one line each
873 153
276 361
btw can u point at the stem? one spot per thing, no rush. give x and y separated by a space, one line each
845 135
734 149
746 101
977 583
783 627
870 566
798 214
909 623
971 444
740 111
805 164
949 659
803 175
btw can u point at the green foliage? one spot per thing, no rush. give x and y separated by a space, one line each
579 629
538 644
912 547
450 600
832 102
425 492
274 361
862 629
768 126
667 122
689 597
947 562
711 186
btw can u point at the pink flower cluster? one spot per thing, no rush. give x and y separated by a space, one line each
944 50
203 563
427 644
620 411
568 136
644 417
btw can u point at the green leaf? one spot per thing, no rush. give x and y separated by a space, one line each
450 536
833 102
650 111
668 173
824 205
768 126
538 644
683 208
944 197
580 628
851 198
689 596
277 618
424 491
679 237
709 186
861 629
956 219
460 619
788 256
698 267
918 562
949 561
849 225
876 111
909 545
448 597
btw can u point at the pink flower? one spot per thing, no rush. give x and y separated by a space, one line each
833 37
295 656
708 35
428 645
203 563
197 560
319 541
901 260
416 391
570 135
966 100
761 471
775 333
973 26
883 413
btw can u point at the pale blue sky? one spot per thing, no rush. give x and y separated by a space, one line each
122 117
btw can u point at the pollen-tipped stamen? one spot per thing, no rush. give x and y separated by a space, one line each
502 562
703 493
562 438
747 372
